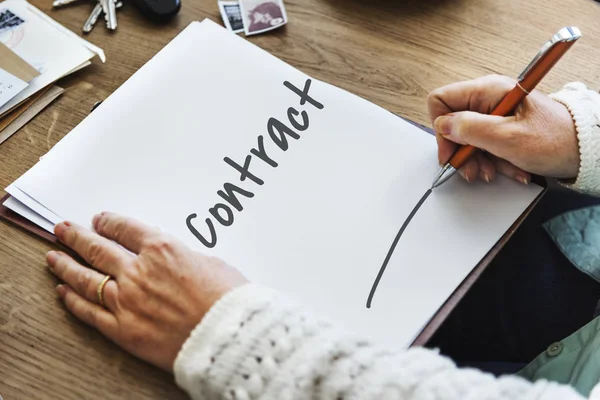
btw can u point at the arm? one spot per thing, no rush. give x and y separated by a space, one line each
584 106
253 344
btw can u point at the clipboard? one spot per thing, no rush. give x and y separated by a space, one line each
438 318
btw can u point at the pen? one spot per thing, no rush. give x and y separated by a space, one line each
541 64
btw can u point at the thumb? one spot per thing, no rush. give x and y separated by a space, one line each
486 132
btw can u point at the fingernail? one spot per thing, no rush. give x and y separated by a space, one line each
95 221
486 177
467 177
61 290
523 179
443 124
52 257
61 228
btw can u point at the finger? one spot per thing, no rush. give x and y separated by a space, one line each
480 95
99 252
509 170
90 313
487 169
445 148
83 280
128 232
487 132
470 171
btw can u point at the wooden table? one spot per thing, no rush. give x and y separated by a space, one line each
392 52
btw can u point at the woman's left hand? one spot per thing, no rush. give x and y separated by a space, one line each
157 293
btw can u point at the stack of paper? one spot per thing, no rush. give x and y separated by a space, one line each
303 189
35 51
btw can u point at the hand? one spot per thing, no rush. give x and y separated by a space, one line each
540 137
158 293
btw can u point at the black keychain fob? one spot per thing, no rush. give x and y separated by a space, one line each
158 10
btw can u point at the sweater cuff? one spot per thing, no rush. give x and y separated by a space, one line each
584 106
219 326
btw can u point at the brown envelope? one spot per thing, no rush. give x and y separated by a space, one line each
15 65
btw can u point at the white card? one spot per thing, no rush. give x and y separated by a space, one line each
10 86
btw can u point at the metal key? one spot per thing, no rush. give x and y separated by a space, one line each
60 3
93 18
110 14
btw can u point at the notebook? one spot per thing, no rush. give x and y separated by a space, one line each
300 185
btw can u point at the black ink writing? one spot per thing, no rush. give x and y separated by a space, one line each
262 154
278 131
213 236
216 213
233 195
304 97
244 172
292 114
229 195
394 244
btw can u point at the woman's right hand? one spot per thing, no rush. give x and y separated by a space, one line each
540 138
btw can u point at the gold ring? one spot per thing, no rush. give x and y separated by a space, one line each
101 290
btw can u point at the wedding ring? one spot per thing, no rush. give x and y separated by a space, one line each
101 290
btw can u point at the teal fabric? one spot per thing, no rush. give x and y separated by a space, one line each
577 234
575 360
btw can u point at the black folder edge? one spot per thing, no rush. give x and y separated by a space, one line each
434 323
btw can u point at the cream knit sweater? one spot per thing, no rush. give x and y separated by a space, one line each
253 344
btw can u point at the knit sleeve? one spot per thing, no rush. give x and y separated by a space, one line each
253 344
584 106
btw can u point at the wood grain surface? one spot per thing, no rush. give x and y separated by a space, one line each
390 52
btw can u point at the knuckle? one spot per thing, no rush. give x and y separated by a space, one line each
72 237
497 79
462 127
95 253
480 91
161 244
84 280
136 276
91 315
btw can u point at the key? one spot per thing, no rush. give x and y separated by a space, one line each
110 14
91 20
60 3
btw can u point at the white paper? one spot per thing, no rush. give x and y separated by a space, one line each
10 86
21 209
322 223
45 45
33 205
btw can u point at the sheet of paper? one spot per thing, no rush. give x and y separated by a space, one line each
44 44
33 205
10 86
330 181
21 209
